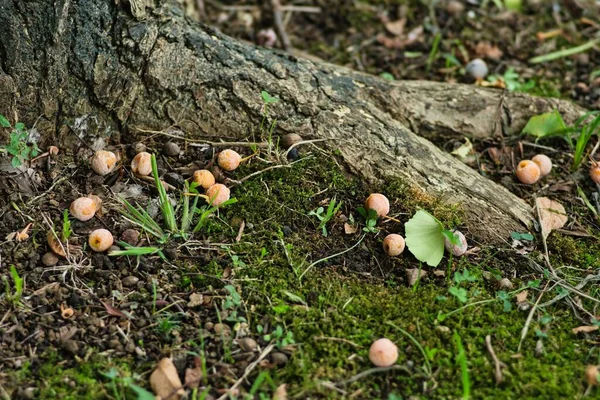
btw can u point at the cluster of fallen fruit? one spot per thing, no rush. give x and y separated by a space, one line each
383 352
104 162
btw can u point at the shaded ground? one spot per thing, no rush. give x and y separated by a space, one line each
216 291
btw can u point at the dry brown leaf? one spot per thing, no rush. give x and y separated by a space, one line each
196 299
396 28
280 393
350 229
55 245
413 274
165 381
585 329
487 50
192 377
521 297
552 215
115 312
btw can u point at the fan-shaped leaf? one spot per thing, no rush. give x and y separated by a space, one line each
425 238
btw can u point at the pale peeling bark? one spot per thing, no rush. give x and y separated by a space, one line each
94 69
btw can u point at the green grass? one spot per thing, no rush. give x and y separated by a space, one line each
343 304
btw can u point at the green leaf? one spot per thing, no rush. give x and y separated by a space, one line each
425 238
387 76
544 125
20 126
507 306
16 162
142 394
4 122
267 98
459 293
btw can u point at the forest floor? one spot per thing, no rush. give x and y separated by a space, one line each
266 300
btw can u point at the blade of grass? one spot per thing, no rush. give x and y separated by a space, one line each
140 217
165 205
564 53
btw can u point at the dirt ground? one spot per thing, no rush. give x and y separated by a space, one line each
262 302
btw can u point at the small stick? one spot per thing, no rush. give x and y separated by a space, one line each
497 363
249 369
240 231
530 318
150 179
278 20
371 371
335 339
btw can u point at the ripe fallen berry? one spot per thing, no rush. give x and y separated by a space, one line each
100 240
218 194
379 203
142 163
477 68
83 208
544 163
528 172
592 375
383 353
457 250
103 162
595 172
393 244
229 160
204 178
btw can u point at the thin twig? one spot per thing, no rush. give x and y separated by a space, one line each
530 317
249 369
331 256
278 20
335 339
498 365
372 371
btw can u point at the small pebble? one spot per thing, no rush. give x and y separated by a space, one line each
130 280
130 236
505 283
171 149
247 344
71 346
49 259
289 140
279 358
222 329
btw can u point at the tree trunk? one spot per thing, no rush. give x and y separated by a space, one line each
97 68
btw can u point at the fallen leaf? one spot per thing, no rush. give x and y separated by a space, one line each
552 215
165 381
396 28
115 312
280 393
521 297
55 245
196 300
487 50
585 329
413 274
350 229
192 377
464 150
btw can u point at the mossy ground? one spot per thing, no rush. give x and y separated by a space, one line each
337 308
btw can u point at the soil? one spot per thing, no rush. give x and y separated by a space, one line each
94 325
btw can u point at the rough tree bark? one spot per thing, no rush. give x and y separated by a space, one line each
101 68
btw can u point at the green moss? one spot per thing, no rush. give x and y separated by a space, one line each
341 305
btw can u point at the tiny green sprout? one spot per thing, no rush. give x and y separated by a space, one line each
521 236
459 293
19 284
66 228
18 146
505 298
370 217
332 209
